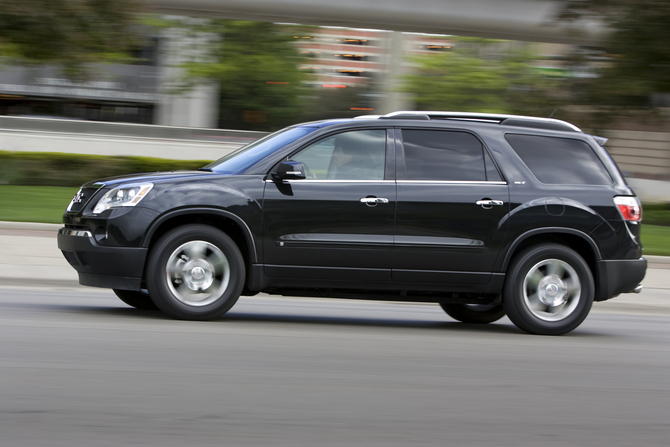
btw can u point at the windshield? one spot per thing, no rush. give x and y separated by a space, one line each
247 156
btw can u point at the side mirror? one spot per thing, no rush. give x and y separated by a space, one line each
289 170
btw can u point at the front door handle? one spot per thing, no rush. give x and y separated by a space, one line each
489 202
373 200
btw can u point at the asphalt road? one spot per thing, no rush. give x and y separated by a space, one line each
79 368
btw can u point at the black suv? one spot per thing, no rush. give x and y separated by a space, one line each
484 214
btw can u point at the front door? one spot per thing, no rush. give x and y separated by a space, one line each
337 224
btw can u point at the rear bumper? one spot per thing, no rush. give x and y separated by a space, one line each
100 266
619 276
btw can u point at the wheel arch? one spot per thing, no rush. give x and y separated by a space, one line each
223 220
577 240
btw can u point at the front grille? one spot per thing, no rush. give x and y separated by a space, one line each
82 198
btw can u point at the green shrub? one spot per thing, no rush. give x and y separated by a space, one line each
59 169
656 214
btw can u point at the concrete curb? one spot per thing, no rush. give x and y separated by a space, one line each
29 226
48 283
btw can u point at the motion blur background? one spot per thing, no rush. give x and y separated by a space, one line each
187 80
95 88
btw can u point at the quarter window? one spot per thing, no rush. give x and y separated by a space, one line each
444 155
557 161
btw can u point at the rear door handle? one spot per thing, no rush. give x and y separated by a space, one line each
489 202
373 200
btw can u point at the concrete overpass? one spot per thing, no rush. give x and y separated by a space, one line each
530 20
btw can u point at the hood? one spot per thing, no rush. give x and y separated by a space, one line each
149 177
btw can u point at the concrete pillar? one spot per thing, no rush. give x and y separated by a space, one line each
196 106
391 99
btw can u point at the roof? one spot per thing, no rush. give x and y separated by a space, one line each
493 118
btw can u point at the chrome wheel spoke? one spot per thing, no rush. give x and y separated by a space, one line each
555 267
535 303
534 278
573 287
556 309
551 290
214 287
183 290
219 264
196 249
197 273
174 269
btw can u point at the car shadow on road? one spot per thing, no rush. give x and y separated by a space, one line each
258 317
299 317
244 318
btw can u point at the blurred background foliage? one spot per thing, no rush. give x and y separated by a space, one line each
482 75
257 66
58 169
69 33
637 75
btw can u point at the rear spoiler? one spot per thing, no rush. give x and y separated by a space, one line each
600 140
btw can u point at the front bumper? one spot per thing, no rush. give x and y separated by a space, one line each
101 266
619 276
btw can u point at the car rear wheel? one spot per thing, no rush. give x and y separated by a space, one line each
549 290
136 299
474 313
195 272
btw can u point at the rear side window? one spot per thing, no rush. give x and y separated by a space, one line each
557 161
443 155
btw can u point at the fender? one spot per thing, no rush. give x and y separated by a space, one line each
253 252
548 230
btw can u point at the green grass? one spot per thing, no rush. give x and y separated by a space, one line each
47 204
656 240
34 203
656 214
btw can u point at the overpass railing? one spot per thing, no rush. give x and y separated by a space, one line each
34 124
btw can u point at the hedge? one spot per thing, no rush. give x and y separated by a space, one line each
59 169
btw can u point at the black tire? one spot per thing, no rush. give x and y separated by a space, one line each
136 299
474 313
549 290
195 272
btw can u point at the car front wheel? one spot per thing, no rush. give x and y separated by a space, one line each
195 272
549 290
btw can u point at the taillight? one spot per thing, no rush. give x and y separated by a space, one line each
629 207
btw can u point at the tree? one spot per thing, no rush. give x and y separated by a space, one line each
638 45
482 76
70 33
257 67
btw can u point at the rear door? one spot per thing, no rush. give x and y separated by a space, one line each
452 208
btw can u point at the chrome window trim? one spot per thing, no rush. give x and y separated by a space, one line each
333 181
446 182
455 182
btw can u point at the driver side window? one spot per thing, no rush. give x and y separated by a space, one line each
355 155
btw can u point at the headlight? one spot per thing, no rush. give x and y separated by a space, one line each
126 195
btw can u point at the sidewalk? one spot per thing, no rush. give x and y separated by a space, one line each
31 257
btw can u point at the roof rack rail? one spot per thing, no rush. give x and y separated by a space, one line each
367 117
494 118
405 116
